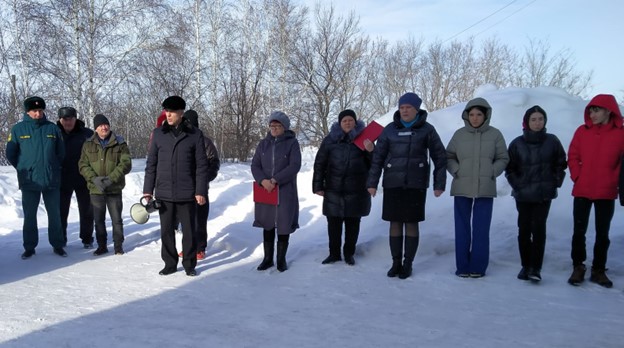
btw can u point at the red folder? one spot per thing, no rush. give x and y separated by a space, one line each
371 132
260 195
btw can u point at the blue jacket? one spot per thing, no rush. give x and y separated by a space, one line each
278 158
36 149
404 156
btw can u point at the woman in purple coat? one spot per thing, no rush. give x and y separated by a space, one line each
276 162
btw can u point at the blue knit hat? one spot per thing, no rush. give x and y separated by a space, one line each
410 98
280 117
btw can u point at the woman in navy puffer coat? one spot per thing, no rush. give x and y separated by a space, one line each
402 152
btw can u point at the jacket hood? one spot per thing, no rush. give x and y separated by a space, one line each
421 118
336 133
478 102
608 102
287 135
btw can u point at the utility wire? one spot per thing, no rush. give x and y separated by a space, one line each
483 19
497 23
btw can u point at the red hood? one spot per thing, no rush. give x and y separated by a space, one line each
161 119
608 102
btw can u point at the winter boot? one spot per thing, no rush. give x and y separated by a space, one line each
599 277
411 246
282 248
524 273
334 233
578 275
331 259
396 250
267 262
101 250
535 275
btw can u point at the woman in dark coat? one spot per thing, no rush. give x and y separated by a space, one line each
537 163
402 152
340 172
275 165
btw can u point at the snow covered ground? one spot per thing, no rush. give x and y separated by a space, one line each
121 301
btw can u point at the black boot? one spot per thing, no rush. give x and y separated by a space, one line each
267 262
411 245
396 249
282 248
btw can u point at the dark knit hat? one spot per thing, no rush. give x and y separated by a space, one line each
192 116
99 120
529 112
66 112
174 103
347 112
280 117
32 103
410 98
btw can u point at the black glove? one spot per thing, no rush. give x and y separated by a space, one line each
98 182
106 182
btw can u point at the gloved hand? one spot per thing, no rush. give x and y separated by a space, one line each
98 182
106 182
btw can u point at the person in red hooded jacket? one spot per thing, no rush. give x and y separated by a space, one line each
594 159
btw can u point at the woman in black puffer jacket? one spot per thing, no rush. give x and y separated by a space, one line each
404 151
340 172
537 163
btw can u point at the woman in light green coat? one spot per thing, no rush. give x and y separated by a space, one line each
476 155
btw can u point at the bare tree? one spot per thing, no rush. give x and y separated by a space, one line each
321 63
538 67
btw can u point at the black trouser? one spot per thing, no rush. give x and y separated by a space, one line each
114 204
532 218
201 226
334 231
85 210
184 212
603 211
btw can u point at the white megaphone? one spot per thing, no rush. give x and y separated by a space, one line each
140 212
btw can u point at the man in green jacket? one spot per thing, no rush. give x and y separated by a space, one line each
36 149
104 162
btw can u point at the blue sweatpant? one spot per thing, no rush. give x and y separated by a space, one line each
473 217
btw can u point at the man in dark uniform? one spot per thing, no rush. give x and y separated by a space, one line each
36 149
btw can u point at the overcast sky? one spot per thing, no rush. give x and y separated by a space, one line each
592 30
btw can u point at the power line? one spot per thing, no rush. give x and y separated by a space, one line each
481 20
497 23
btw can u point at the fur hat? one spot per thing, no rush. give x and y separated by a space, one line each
529 112
280 117
412 99
174 103
99 120
192 117
66 112
347 112
32 103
